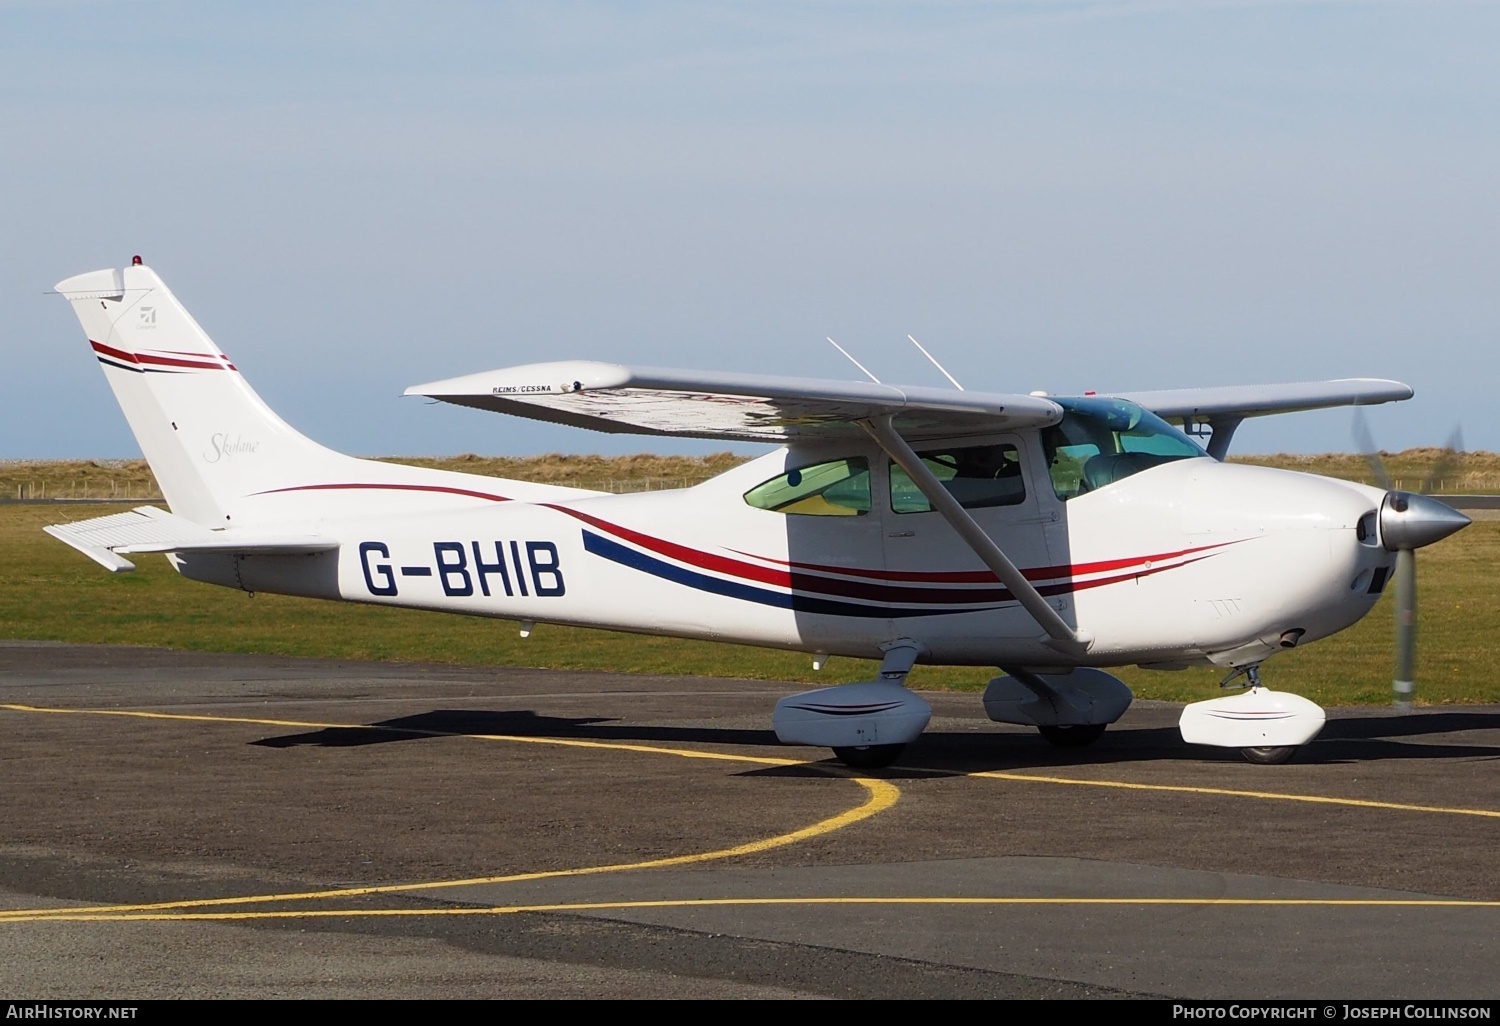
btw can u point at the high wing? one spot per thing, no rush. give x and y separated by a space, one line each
746 407
108 539
763 408
1239 401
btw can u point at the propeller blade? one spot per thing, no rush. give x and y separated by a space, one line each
1443 468
1406 626
1365 443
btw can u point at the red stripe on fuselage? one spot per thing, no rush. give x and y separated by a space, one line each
877 592
1040 573
358 486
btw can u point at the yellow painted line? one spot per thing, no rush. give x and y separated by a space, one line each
766 761
1318 799
881 796
83 916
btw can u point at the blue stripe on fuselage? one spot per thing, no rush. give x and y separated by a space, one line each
617 553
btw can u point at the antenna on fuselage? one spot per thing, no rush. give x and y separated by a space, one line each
939 366
865 370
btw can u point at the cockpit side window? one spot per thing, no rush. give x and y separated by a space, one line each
837 488
1101 441
978 476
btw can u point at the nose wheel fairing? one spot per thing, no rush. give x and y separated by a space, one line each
1266 725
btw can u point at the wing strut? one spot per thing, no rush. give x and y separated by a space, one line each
1222 428
1064 638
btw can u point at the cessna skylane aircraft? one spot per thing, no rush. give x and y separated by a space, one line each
1048 536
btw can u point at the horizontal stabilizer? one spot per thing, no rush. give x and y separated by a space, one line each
146 529
750 407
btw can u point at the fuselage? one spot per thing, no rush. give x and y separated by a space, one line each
1189 561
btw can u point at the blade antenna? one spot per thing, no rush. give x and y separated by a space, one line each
939 366
863 369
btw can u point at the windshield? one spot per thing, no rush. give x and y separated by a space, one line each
1101 441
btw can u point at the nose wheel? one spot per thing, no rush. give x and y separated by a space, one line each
1269 756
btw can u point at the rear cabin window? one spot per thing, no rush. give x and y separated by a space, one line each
838 488
978 476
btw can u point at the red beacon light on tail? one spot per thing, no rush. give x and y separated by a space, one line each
135 261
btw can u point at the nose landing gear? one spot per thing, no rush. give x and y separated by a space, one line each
1266 726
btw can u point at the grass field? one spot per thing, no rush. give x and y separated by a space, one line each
50 592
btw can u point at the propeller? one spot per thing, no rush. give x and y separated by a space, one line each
1408 521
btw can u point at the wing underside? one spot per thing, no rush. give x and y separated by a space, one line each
756 408
763 408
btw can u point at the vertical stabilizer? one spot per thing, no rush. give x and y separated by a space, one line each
209 438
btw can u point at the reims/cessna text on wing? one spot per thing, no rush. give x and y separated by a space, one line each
1048 536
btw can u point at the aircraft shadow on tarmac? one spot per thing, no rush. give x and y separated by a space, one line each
1355 739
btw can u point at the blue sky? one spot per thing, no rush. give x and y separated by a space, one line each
352 198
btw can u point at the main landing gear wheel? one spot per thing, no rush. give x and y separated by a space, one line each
1077 736
869 756
1269 756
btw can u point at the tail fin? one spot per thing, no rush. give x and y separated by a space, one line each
222 457
209 438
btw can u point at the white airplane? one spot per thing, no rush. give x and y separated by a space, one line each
1048 536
